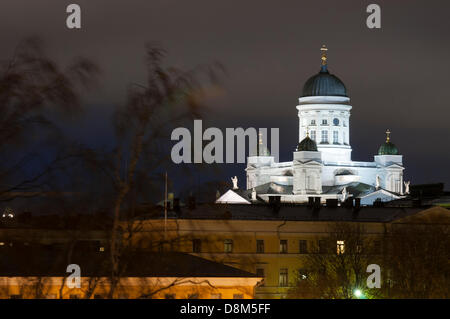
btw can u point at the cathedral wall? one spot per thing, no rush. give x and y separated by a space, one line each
367 174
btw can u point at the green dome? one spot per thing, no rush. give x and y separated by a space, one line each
307 145
263 150
388 148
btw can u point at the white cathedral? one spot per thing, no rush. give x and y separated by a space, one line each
322 165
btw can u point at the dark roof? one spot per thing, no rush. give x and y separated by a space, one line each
324 84
297 212
46 263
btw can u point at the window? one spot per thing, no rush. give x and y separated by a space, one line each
97 296
260 272
228 245
260 246
303 247
313 122
324 139
340 247
238 296
193 296
313 135
15 296
377 247
216 296
283 246
359 246
324 122
169 296
74 296
335 137
196 246
344 124
101 249
343 138
283 280
51 296
336 122
322 246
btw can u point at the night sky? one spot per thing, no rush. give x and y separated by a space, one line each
397 77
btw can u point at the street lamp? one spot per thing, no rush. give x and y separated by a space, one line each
358 293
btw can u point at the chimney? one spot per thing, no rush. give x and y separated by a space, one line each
310 202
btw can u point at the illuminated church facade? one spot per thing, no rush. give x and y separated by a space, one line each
321 165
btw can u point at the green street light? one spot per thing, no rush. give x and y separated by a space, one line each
358 293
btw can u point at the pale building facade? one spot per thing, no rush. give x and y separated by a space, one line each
322 163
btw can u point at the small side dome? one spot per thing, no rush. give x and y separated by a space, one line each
307 145
388 148
262 148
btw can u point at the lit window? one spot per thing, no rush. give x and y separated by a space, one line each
313 135
228 245
260 246
283 246
101 249
216 296
303 248
335 137
340 247
324 139
283 280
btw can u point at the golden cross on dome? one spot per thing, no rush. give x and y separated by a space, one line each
324 54
387 135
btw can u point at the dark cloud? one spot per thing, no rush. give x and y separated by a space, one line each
397 77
